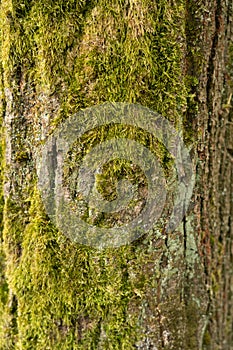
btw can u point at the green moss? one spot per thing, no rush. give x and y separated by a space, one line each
195 57
206 340
113 171
4 291
84 53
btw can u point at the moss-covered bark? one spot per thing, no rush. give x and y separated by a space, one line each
163 291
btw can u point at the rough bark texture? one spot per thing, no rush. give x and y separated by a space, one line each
164 291
214 96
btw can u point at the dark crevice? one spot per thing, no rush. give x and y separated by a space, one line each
211 64
185 236
209 87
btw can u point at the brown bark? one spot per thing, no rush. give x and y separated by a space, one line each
214 196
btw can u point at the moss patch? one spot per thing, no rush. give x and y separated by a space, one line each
79 53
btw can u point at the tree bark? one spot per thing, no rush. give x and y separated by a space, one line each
164 290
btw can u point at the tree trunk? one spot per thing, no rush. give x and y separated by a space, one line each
163 290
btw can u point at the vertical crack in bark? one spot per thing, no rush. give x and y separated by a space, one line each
211 63
185 236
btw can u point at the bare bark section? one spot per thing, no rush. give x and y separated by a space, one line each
215 168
